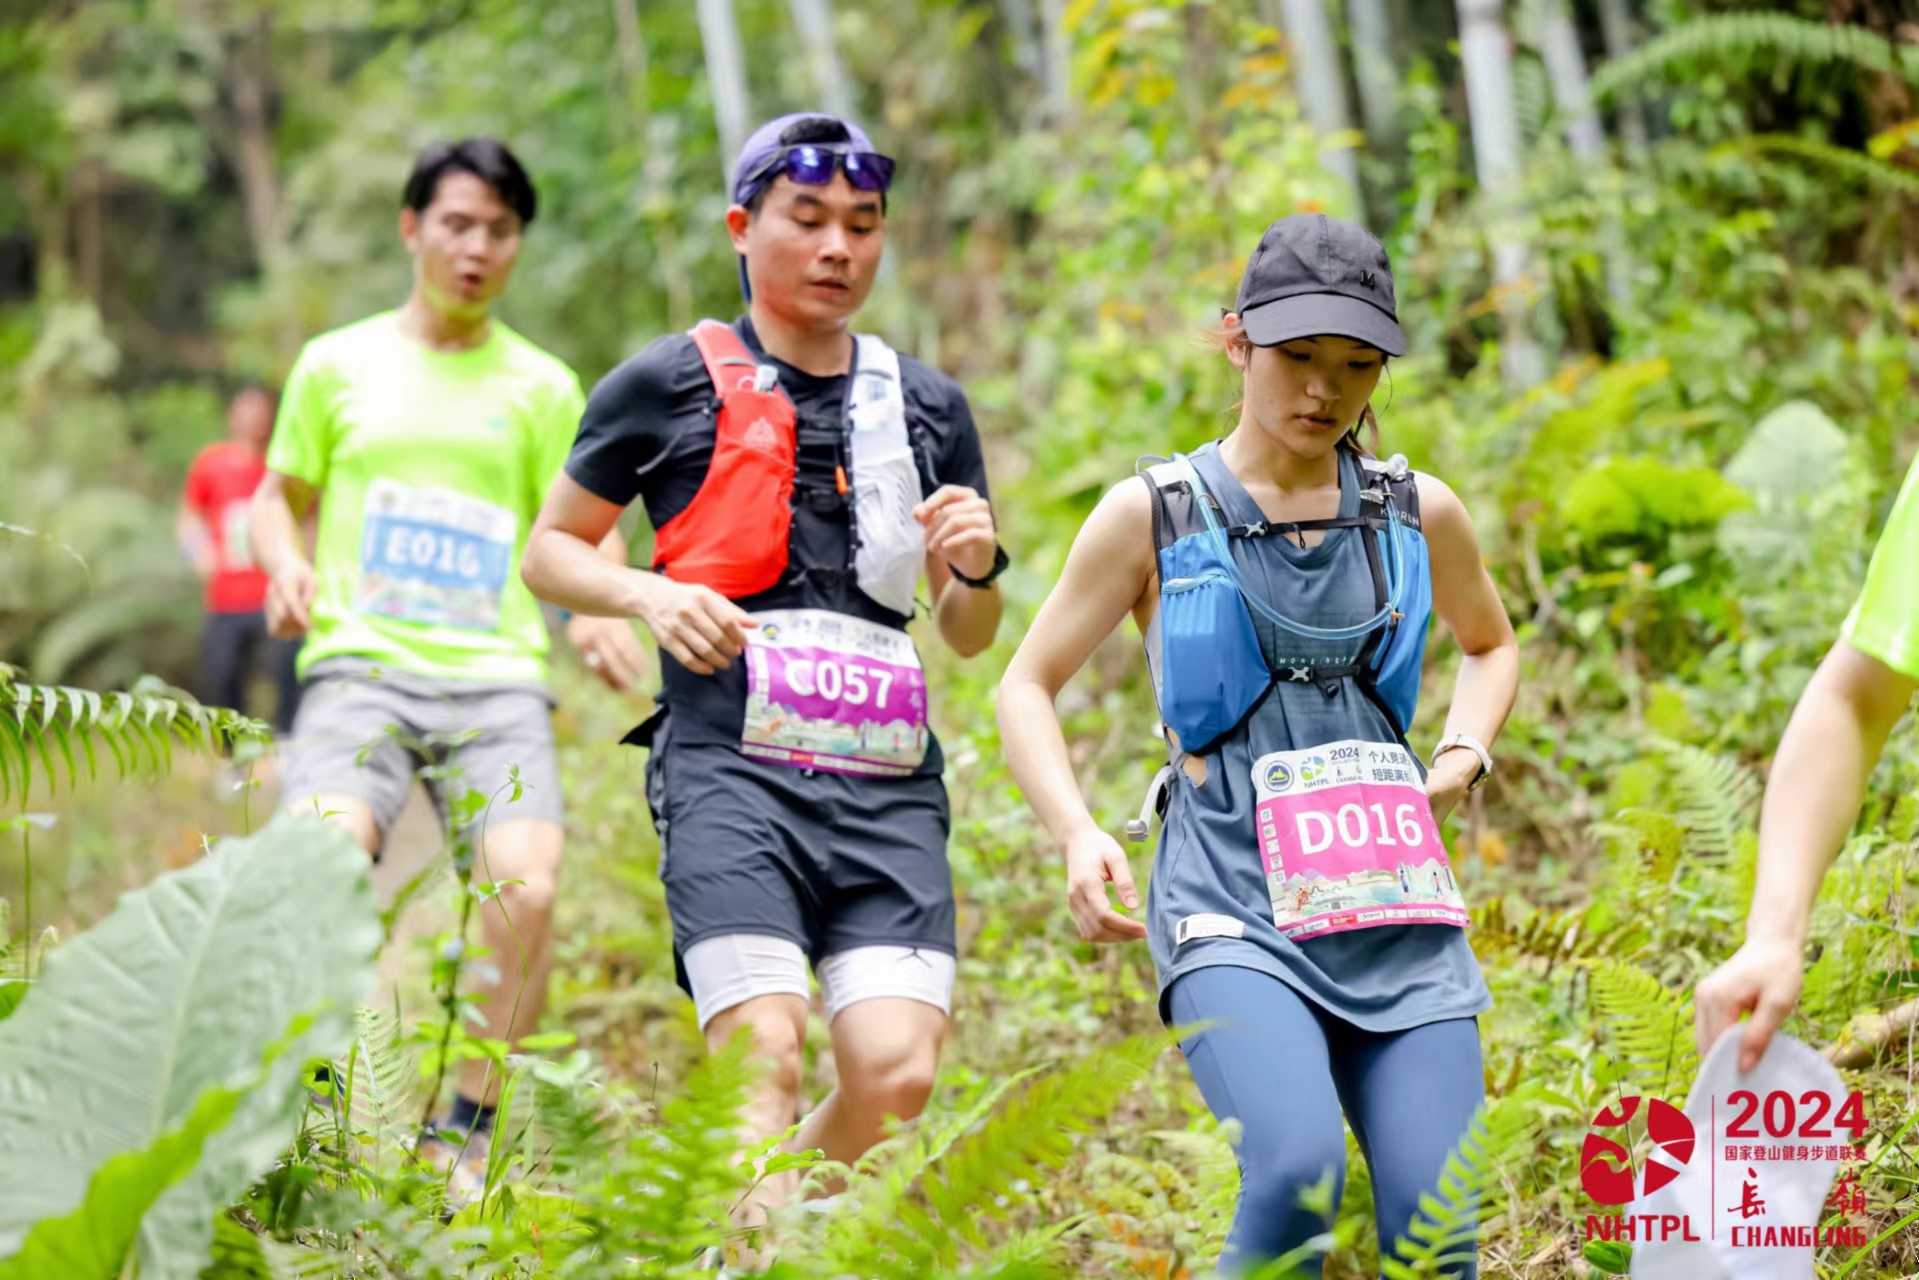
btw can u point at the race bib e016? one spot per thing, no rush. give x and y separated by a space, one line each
434 556
834 693
1348 841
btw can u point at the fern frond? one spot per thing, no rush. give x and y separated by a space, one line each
1736 38
1652 841
237 1254
1443 1233
36 720
887 1175
383 1074
1650 1028
1552 936
568 1127
669 1191
1035 1131
1855 166
1715 797
1173 1208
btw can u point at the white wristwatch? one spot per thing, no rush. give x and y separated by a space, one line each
1473 745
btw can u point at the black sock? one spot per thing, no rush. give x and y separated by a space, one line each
469 1116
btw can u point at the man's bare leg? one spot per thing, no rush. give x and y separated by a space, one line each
777 1025
887 1053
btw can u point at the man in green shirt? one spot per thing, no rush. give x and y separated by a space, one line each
433 432
1818 779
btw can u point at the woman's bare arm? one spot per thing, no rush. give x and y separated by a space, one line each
1109 572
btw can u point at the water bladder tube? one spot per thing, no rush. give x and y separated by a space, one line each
1395 567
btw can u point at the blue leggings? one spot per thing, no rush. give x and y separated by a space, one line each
1285 1069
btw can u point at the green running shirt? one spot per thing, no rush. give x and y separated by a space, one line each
1884 621
432 466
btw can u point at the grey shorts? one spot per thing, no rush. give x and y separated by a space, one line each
368 734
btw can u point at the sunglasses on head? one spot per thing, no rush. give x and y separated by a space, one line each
813 166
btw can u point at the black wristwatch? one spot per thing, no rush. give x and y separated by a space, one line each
980 584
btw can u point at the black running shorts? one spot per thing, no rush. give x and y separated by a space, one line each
828 861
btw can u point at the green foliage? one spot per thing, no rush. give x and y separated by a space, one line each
929 1196
1645 500
1752 39
1849 166
44 725
150 1076
1648 1028
1444 1233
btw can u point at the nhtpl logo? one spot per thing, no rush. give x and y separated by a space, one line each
1610 1181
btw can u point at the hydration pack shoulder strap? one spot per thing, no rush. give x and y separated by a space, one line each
888 545
1395 477
728 363
1175 490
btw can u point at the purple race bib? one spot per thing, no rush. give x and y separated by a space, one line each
1348 841
835 693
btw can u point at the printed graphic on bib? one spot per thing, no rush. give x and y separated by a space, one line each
1348 841
236 542
826 691
434 556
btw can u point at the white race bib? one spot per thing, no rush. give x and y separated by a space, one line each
434 556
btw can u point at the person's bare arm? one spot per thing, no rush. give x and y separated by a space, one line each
279 505
1108 573
608 646
1467 601
1830 748
564 564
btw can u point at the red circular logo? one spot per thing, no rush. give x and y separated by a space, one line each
1605 1167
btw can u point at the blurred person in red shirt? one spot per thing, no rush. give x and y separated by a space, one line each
212 530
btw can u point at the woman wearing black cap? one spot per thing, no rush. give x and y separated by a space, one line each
1301 902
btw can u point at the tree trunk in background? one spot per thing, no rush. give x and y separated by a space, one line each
1056 61
725 78
249 80
1585 134
1022 27
1317 71
669 255
629 42
1485 53
1373 69
1566 67
814 19
1615 23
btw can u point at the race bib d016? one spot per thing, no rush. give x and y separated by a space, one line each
835 693
434 556
1348 841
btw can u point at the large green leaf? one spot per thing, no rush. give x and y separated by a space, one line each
217 980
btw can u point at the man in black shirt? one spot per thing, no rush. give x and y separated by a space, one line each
792 778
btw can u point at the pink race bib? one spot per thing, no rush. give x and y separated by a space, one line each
835 693
1348 841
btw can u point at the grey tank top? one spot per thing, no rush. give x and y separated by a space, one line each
1386 978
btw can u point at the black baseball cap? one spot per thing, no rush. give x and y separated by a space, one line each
1314 275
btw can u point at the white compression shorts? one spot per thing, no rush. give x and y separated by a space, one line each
736 967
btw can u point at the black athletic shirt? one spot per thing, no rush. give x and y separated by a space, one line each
648 434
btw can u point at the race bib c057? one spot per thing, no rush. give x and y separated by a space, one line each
835 693
434 556
1348 841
